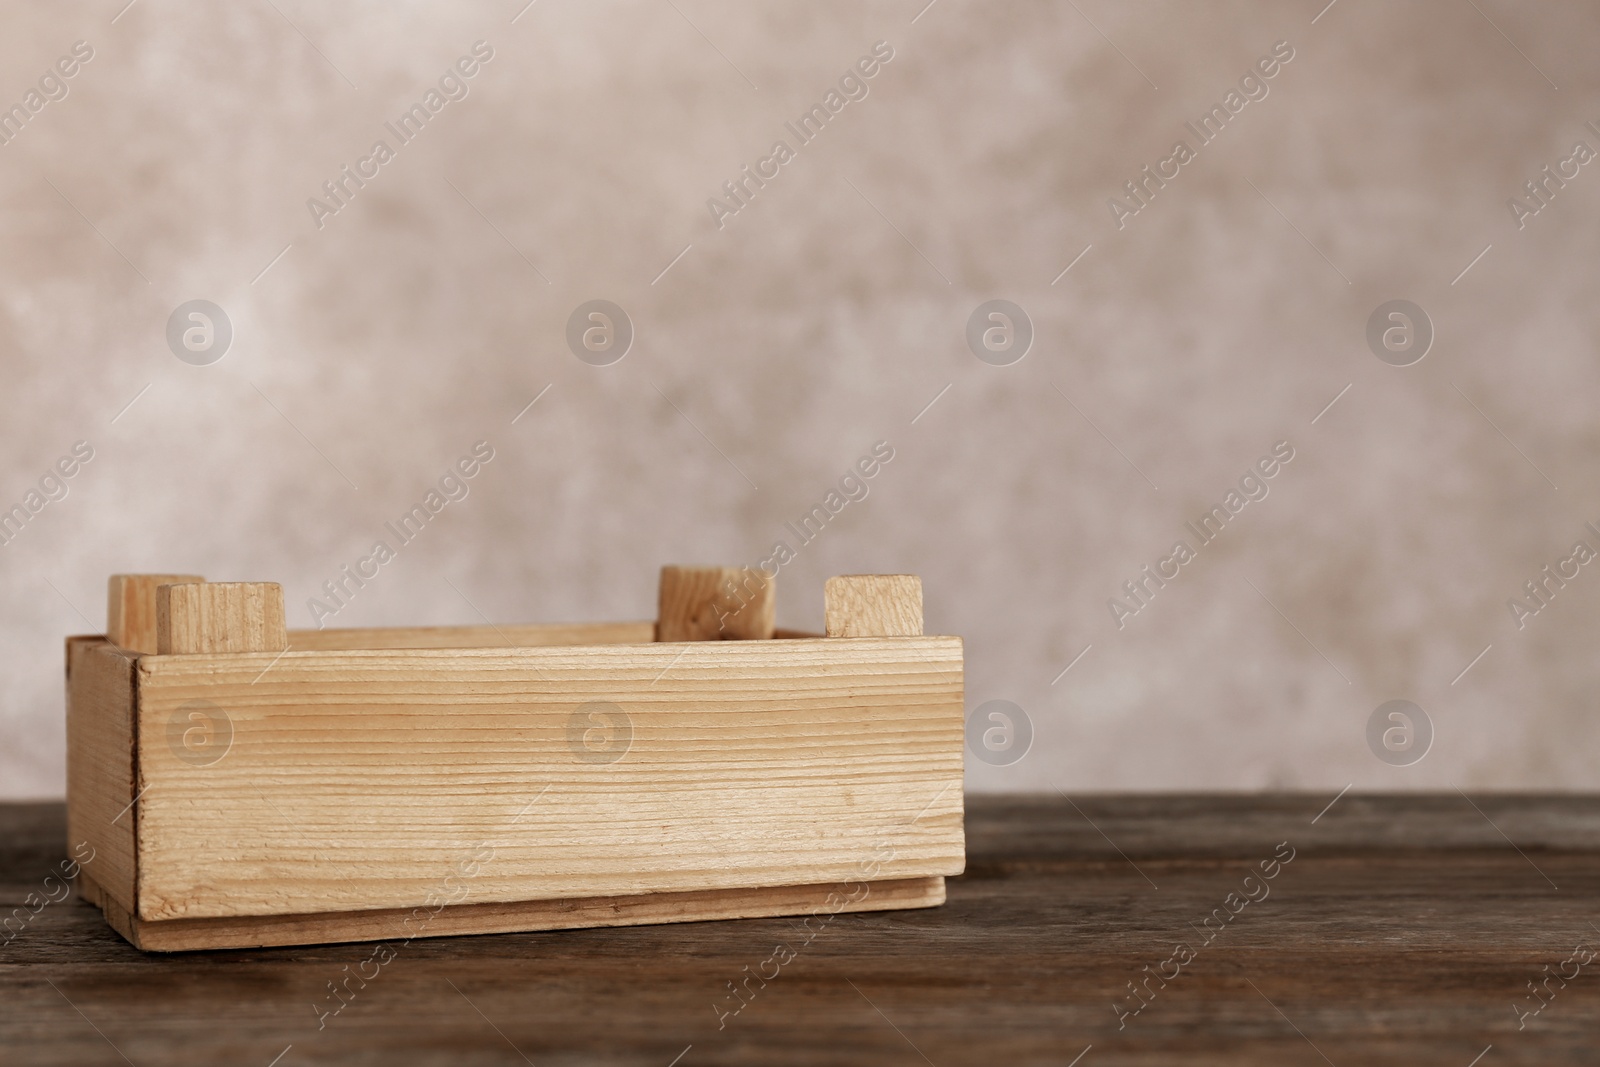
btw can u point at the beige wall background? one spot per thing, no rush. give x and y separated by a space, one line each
825 316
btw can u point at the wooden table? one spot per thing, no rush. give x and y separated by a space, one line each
1403 930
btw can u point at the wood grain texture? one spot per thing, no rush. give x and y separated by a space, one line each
358 780
873 605
503 635
210 617
131 608
101 776
1400 935
453 920
715 603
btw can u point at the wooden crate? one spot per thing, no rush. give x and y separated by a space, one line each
239 784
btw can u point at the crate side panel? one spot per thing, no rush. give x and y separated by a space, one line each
102 778
336 781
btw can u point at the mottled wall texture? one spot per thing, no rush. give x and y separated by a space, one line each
1199 215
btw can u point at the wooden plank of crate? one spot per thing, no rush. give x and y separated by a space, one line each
873 605
354 780
101 774
131 608
502 635
715 603
399 925
193 619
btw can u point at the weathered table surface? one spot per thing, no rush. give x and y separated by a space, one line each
1404 930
